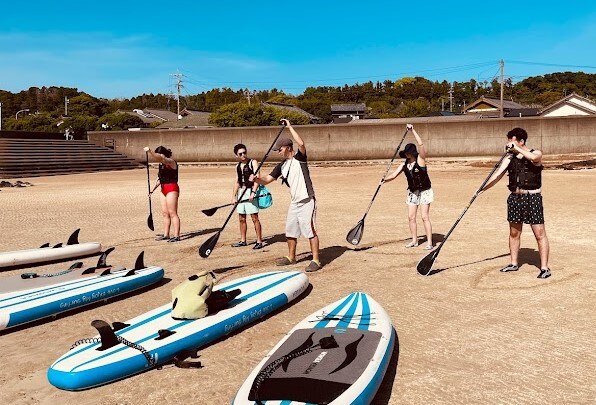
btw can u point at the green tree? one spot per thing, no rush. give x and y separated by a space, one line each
118 122
241 114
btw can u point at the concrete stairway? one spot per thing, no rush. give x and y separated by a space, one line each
48 157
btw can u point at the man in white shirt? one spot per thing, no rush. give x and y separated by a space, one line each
293 171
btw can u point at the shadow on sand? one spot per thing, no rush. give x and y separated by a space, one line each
384 393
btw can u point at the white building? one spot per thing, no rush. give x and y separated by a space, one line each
573 104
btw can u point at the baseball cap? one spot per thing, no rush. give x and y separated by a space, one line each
282 142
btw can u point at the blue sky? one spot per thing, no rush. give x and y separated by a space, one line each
118 49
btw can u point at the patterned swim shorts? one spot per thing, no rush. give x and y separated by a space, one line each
420 197
525 209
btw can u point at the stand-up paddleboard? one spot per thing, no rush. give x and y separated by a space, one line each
47 253
338 355
33 296
155 338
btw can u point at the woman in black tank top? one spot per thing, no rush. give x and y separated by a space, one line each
167 178
420 192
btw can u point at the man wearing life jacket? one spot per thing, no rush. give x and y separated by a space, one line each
420 192
244 189
524 204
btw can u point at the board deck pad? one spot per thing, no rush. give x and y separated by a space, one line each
321 375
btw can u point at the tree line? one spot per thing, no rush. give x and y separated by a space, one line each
405 97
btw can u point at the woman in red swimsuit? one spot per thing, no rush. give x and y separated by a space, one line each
167 177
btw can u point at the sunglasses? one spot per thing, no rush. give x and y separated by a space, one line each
241 153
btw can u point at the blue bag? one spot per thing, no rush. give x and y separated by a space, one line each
264 198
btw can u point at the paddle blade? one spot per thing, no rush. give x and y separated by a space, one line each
355 234
425 264
150 221
210 211
208 246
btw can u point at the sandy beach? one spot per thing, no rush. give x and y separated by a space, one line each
466 335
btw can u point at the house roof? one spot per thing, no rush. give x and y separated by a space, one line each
495 103
165 115
293 108
195 120
348 107
569 101
145 118
523 112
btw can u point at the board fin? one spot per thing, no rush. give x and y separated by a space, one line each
140 262
102 261
76 265
45 245
119 325
106 272
164 333
58 245
74 238
106 334
181 362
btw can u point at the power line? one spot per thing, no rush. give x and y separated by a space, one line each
550 64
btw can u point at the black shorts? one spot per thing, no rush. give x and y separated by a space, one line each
525 209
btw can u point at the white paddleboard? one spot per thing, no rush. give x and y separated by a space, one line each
338 355
29 299
85 366
59 252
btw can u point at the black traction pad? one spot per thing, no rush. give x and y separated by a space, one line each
321 375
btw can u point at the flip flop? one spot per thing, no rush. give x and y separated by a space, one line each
411 244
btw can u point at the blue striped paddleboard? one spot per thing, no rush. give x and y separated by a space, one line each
34 296
338 355
155 338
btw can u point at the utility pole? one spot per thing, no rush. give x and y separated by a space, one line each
249 94
502 63
66 101
178 76
451 98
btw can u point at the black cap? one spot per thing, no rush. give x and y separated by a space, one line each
282 142
410 149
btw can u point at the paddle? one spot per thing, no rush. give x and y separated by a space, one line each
355 234
150 217
210 211
425 265
207 247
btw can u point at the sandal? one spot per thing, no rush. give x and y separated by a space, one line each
429 247
258 245
163 237
240 244
174 239
313 266
284 261
411 244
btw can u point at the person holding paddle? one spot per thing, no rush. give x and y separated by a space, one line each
167 177
294 173
524 204
420 192
244 169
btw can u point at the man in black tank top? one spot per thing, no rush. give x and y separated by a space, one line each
246 190
524 204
